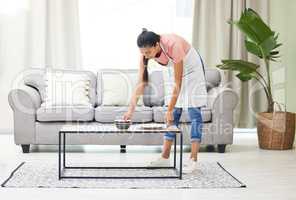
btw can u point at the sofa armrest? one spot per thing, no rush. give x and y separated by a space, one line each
25 99
220 99
24 102
222 102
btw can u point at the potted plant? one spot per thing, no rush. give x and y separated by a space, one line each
275 130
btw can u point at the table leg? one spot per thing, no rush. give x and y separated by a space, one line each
59 156
175 149
181 155
64 150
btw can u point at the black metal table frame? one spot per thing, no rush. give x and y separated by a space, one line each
62 161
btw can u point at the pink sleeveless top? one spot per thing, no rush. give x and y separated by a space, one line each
175 48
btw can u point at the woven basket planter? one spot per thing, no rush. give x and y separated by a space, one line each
276 131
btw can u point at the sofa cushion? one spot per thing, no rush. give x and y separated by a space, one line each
159 114
109 113
213 78
66 89
116 86
65 113
155 89
35 77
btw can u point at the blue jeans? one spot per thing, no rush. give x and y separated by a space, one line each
196 124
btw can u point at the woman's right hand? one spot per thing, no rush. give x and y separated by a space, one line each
127 116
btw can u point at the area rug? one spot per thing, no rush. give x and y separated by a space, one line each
41 175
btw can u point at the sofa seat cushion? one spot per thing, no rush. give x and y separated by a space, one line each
109 113
159 114
65 113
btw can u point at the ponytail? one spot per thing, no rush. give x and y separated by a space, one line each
147 39
145 74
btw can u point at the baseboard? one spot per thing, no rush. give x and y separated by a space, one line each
245 130
4 131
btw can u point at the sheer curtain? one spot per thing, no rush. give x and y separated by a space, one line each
35 33
53 36
217 40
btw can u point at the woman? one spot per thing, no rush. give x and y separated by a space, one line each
185 69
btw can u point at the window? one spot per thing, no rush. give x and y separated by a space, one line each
109 28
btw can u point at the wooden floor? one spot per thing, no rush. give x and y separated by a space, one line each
267 174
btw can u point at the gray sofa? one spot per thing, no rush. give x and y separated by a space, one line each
34 125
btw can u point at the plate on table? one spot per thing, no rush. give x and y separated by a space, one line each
153 126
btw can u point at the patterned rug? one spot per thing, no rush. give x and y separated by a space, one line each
40 175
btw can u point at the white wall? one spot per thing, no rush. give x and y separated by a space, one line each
283 17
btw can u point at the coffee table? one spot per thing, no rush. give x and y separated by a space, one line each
111 128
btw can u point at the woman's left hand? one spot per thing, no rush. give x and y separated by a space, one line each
169 118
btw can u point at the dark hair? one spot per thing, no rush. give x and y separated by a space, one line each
147 39
145 74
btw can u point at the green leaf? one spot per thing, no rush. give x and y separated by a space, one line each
253 48
278 45
247 30
245 77
238 65
268 45
260 39
274 53
251 24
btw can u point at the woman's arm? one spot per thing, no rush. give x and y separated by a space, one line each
178 69
139 90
